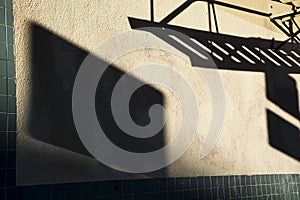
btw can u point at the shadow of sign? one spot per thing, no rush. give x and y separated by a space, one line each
55 63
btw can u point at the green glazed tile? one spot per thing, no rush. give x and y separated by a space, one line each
10 34
10 52
2 3
3 122
11 140
2 16
11 87
2 51
3 139
3 82
9 17
12 122
3 69
3 103
10 69
9 4
2 34
11 104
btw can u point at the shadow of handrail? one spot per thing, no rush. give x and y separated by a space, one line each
251 55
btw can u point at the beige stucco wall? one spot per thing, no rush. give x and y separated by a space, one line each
243 146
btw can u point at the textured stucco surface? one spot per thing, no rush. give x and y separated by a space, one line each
243 147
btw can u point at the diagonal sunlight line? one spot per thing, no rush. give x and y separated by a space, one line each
282 113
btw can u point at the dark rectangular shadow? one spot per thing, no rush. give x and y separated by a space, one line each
282 90
283 135
55 63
